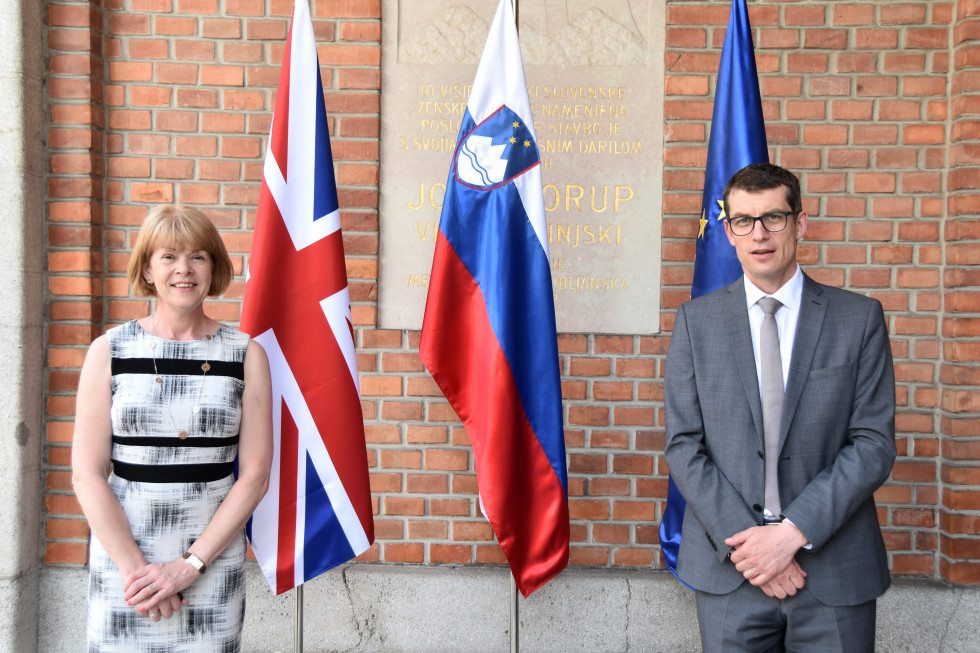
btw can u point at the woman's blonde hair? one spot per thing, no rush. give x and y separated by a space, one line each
172 225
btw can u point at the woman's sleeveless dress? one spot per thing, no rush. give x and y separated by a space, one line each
170 487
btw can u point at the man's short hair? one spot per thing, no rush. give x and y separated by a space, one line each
758 177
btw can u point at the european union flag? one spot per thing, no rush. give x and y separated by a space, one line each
738 138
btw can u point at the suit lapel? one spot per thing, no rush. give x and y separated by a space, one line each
813 307
740 337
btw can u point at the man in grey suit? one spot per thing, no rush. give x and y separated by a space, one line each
811 547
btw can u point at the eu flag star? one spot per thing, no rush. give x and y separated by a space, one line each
703 222
527 143
516 124
721 215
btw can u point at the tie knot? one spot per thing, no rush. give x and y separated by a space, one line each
769 305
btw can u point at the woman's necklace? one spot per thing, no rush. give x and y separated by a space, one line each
182 434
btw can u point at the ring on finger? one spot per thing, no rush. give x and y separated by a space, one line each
154 614
153 588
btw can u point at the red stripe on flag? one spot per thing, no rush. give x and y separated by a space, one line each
527 505
288 456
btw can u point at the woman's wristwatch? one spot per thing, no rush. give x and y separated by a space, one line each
195 562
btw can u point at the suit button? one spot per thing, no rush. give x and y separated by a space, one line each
761 455
756 507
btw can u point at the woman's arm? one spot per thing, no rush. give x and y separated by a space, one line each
91 450
254 462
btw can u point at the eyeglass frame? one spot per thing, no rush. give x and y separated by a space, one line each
761 218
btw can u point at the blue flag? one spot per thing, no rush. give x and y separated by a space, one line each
738 138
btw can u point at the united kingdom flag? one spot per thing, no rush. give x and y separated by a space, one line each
317 513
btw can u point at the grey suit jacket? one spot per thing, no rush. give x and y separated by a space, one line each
837 442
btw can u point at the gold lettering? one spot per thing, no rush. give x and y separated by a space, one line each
567 230
587 229
622 198
427 230
421 196
554 206
589 284
605 192
584 234
437 204
569 198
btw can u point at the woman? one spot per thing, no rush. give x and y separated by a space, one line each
165 403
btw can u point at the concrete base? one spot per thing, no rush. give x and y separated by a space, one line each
374 607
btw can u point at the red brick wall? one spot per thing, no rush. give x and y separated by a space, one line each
873 103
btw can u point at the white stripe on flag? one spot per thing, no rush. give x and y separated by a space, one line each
336 308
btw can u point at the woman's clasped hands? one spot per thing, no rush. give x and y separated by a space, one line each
154 591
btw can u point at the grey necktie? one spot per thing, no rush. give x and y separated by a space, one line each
772 399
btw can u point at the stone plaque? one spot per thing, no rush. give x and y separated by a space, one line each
595 74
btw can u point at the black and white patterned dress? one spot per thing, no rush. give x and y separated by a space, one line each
170 487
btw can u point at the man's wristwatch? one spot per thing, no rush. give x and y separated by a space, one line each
195 562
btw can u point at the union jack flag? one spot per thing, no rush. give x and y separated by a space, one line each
317 513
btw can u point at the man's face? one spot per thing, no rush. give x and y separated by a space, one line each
768 259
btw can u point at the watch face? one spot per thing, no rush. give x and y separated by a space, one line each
194 561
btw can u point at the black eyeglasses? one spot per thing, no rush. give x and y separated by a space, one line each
772 221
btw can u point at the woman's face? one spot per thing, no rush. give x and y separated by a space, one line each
180 274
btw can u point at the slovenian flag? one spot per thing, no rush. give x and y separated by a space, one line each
488 336
317 513
738 139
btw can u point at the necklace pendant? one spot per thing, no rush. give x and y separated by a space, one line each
182 435
158 380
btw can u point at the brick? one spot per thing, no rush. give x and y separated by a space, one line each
266 30
449 507
413 553
176 121
66 529
351 31
65 553
877 86
427 484
348 9
176 73
425 434
445 459
77 89
221 28
222 75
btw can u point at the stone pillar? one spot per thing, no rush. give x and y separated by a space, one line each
21 333
959 542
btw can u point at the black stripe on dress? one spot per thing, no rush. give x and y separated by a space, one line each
203 473
148 441
175 366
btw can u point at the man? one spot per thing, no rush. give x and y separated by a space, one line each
810 547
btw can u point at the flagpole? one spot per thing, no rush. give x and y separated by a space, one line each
298 636
515 620
515 623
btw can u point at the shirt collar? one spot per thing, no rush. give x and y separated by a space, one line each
790 294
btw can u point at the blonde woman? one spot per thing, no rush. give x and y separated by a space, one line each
166 404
